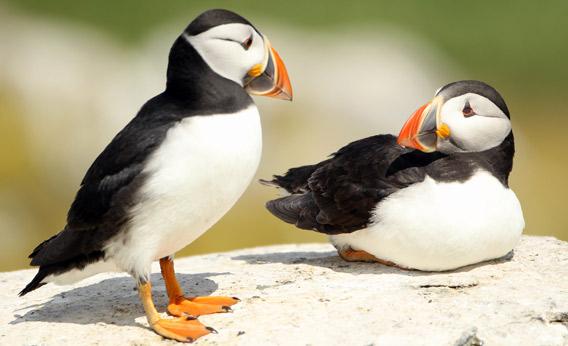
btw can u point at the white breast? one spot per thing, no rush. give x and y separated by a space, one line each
441 226
196 175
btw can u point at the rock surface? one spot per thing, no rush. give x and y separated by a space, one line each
306 295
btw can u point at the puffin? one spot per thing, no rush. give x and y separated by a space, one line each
435 198
176 168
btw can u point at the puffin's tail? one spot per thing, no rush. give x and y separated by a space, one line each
36 282
51 260
41 274
299 210
295 181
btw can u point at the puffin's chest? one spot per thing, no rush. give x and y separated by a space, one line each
440 226
210 158
196 175
481 203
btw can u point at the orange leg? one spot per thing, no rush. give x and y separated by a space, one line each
184 329
350 255
181 305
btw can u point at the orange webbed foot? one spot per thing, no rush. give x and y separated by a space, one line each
183 329
350 255
197 306
181 305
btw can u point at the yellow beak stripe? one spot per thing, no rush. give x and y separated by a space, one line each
443 131
255 71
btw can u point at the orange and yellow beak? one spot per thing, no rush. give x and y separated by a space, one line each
269 78
422 130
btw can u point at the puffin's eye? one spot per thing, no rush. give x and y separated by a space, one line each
247 43
467 110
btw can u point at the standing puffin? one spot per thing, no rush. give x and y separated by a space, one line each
173 171
435 198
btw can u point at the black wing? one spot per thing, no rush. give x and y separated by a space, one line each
340 194
101 205
295 180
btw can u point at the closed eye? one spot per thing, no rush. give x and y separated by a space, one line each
228 39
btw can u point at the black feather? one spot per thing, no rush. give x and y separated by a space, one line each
296 209
295 180
213 18
74 263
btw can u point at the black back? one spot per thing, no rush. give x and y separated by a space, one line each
109 189
338 195
212 18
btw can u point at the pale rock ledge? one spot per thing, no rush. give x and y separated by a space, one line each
306 295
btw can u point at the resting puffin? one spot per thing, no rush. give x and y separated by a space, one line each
435 198
173 171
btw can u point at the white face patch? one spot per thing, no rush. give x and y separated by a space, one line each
484 130
221 48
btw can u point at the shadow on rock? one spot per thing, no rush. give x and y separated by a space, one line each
112 301
331 260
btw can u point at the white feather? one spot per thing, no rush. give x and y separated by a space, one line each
196 175
75 275
440 226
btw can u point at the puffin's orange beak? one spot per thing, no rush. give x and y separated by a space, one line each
422 129
270 78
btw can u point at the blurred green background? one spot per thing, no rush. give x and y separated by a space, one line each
72 73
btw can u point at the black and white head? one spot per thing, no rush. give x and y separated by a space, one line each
464 116
234 49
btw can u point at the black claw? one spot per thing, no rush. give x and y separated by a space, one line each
212 330
237 299
190 339
190 317
227 308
